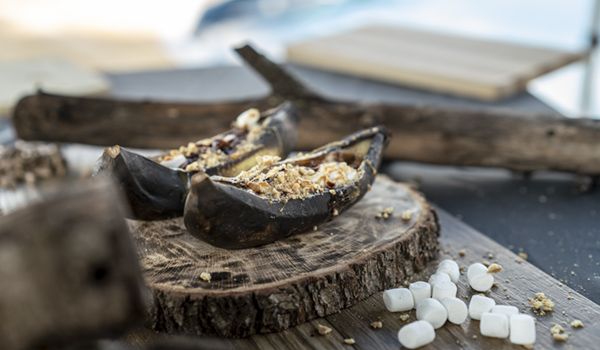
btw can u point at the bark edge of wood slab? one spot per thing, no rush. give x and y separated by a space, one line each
201 289
261 220
69 269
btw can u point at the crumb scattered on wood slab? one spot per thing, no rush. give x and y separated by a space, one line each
349 341
404 317
205 276
385 214
558 333
494 268
323 330
406 215
376 324
541 304
576 324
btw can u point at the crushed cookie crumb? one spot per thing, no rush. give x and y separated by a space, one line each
385 214
205 276
523 255
404 317
540 304
349 341
283 180
323 330
486 262
558 333
576 324
376 324
462 253
406 215
494 268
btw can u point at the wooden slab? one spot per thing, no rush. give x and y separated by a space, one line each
516 284
289 282
482 69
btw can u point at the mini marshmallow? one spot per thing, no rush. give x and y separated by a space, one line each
398 299
476 269
482 282
439 277
456 308
416 334
432 311
450 267
480 304
522 329
507 310
420 290
443 290
494 325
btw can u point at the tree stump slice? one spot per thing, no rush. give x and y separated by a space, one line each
280 285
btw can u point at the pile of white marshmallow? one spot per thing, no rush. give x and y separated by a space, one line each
436 303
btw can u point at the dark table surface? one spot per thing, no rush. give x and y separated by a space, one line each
545 216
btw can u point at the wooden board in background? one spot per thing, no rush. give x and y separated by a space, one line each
487 70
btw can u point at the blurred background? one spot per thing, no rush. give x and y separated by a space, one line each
44 41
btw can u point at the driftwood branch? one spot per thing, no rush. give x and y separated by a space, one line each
438 135
69 270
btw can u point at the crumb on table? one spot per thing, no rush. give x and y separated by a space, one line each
541 304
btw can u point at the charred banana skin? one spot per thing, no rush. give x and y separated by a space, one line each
156 192
210 204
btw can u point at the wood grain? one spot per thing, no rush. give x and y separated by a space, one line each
483 69
517 283
280 285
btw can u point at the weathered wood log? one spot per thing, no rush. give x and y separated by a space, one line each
457 136
201 289
68 269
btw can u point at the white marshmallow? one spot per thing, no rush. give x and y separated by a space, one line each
451 268
456 308
507 310
494 325
432 311
443 290
482 282
416 334
398 299
439 277
522 329
476 269
480 304
420 290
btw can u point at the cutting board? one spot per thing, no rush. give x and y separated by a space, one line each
201 289
481 69
518 282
